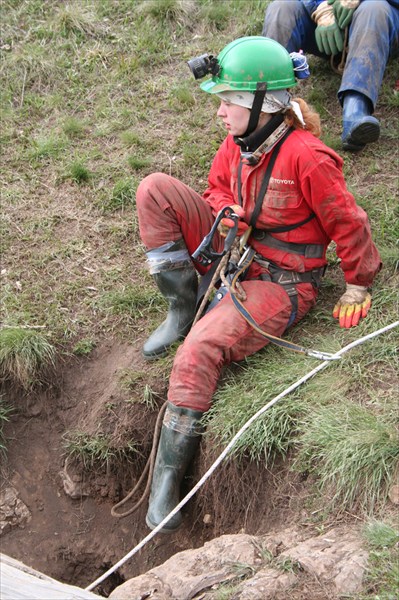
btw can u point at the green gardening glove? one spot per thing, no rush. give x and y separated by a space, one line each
343 11
329 37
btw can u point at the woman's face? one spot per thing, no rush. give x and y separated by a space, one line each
236 118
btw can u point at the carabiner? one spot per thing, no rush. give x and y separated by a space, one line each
205 253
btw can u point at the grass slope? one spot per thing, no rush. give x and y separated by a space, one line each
94 96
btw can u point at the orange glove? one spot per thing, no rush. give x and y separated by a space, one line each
226 224
352 306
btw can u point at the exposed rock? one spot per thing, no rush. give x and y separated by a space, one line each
267 584
144 586
278 541
72 484
336 560
334 557
13 512
187 573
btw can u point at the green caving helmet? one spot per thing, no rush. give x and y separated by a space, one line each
248 61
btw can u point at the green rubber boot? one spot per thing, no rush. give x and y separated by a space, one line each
177 281
180 436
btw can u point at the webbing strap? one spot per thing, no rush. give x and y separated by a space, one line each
306 250
272 338
285 228
276 340
263 190
259 96
265 182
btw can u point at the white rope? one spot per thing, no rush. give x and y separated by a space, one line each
231 444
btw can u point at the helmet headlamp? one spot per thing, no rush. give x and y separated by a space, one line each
203 65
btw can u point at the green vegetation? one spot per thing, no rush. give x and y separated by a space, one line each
79 173
83 347
131 300
72 127
353 451
226 591
382 580
122 195
342 423
97 94
24 356
96 450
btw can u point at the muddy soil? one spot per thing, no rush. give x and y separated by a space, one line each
75 539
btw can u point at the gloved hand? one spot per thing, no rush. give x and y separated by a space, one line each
352 305
226 224
329 37
343 11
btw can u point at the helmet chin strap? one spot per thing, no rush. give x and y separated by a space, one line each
250 143
256 108
252 139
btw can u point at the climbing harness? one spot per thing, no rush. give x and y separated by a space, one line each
232 271
232 268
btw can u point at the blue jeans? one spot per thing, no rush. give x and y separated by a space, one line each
373 39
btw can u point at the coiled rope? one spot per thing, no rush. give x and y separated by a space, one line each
149 468
221 457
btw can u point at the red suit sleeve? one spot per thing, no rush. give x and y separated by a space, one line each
344 221
224 167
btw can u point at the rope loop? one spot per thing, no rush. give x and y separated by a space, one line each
148 469
339 69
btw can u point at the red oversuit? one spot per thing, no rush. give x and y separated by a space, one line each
306 178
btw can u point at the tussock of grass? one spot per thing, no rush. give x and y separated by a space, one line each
217 14
30 67
379 534
79 172
72 127
352 451
382 576
129 138
47 147
181 95
73 20
122 195
23 356
138 162
96 450
176 11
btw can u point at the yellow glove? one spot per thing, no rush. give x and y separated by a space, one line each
329 37
352 305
